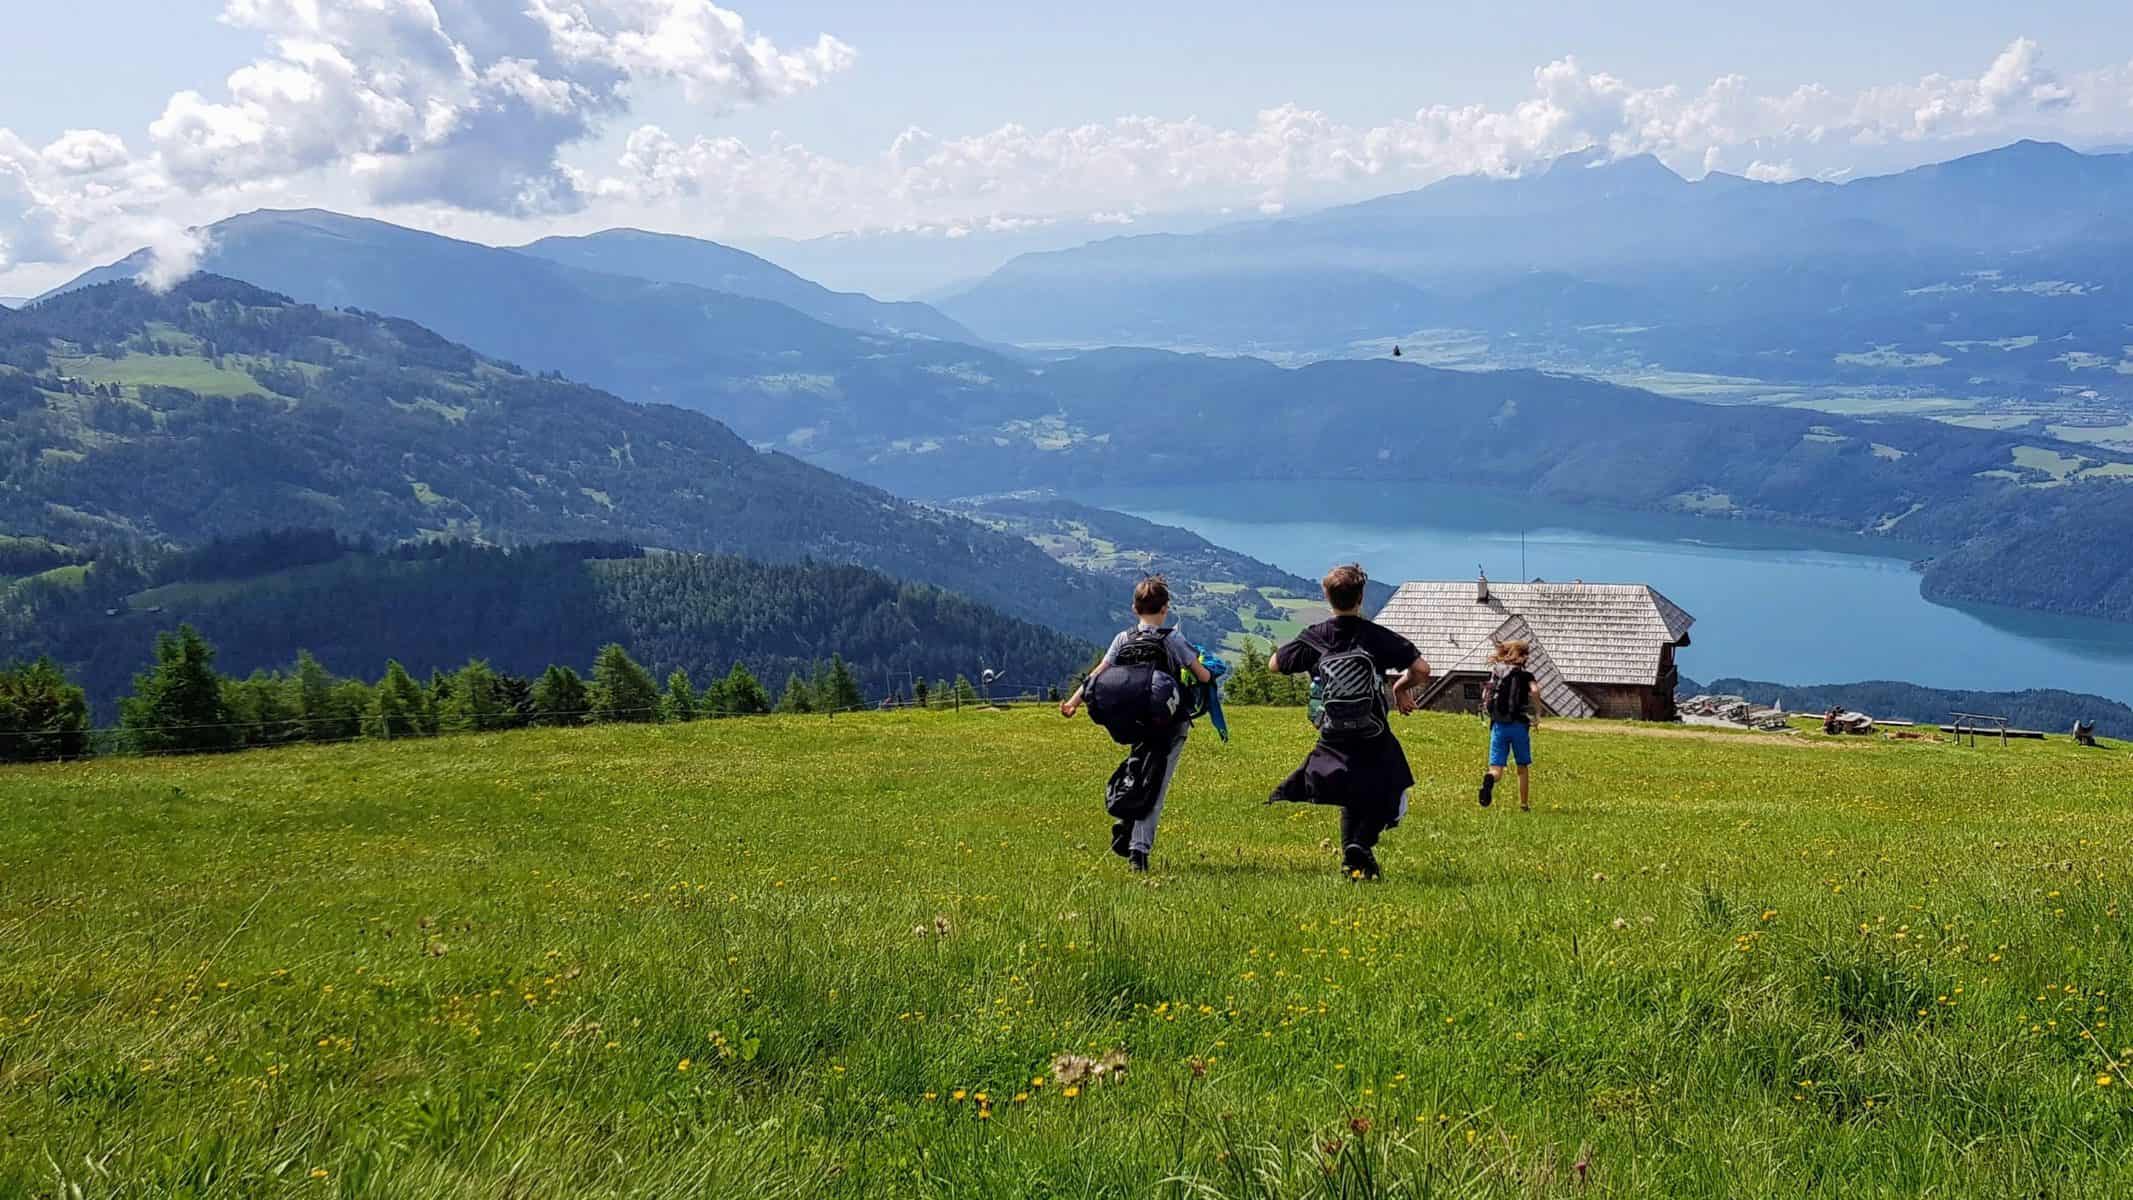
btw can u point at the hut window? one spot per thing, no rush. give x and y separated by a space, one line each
1473 691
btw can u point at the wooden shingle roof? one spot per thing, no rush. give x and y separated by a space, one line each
1595 633
1556 693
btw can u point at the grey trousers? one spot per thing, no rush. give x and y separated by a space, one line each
1144 829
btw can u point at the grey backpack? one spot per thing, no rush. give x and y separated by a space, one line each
1348 696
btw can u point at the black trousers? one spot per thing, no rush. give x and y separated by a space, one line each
1360 830
1357 828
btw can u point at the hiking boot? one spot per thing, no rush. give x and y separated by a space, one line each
1138 861
1121 838
1488 789
1357 862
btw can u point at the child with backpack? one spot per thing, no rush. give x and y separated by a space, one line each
1507 697
1138 695
1358 763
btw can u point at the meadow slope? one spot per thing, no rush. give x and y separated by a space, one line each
828 957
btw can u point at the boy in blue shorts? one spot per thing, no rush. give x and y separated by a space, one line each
1508 699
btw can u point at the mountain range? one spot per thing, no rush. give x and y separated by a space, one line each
776 375
1993 272
219 408
2004 512
667 258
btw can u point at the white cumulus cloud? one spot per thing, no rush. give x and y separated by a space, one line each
463 105
1291 156
477 115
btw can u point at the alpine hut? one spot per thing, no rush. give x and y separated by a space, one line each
1598 649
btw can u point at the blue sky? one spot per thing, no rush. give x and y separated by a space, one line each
508 118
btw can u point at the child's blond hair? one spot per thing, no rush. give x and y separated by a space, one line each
1513 652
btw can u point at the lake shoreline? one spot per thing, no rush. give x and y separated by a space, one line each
1772 602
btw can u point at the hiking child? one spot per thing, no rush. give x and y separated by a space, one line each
1137 695
1358 763
1507 697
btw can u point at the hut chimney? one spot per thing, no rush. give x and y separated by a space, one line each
1481 588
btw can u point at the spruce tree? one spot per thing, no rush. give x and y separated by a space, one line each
621 689
320 708
397 708
42 716
559 698
712 703
515 694
679 705
942 695
918 691
964 693
839 689
263 708
744 696
352 699
798 697
1251 682
471 703
178 704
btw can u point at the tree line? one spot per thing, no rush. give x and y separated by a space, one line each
182 705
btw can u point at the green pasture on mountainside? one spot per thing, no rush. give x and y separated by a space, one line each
882 955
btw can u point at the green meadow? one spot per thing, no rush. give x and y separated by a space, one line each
890 955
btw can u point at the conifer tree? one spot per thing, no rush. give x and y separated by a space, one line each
352 699
622 690
964 693
559 698
679 705
1251 682
472 703
798 697
397 708
919 691
839 689
42 716
515 694
178 704
320 707
942 696
263 708
744 696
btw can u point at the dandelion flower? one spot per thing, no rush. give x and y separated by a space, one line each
2103 1081
683 1065
1071 1092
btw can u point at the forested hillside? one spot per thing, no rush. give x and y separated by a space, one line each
772 373
937 420
1219 594
220 409
263 598
672 259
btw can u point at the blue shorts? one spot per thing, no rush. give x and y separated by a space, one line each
1506 741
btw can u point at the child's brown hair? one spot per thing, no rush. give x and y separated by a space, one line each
1151 596
1513 652
1344 586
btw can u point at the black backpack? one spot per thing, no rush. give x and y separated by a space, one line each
1138 695
1508 695
1348 696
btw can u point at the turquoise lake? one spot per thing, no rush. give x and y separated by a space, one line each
1784 605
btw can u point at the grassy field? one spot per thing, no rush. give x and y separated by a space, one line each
844 957
139 370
